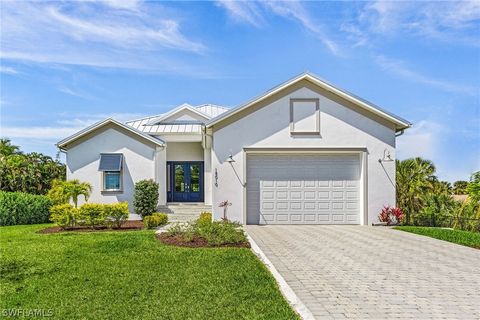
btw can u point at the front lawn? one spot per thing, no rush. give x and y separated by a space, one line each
131 275
466 238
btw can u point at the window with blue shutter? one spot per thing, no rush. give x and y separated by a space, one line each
111 166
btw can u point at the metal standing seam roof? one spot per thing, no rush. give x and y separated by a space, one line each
144 124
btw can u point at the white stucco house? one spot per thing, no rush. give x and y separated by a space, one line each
305 152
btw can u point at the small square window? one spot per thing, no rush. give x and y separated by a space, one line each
111 181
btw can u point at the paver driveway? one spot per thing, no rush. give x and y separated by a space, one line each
373 272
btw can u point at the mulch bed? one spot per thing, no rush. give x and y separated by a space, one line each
197 242
129 225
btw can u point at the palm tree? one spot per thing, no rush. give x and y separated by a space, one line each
7 148
74 188
460 187
415 179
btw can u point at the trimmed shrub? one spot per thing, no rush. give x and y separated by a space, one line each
117 213
92 214
205 217
216 233
23 208
155 220
64 215
57 193
220 232
145 197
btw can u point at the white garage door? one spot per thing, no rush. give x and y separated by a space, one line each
303 189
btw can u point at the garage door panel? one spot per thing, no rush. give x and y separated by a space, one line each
303 189
282 205
309 195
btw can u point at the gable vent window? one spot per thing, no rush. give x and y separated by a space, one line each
305 116
111 168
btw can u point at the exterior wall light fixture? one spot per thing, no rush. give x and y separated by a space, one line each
387 157
230 159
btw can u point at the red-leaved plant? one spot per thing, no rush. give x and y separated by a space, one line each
390 215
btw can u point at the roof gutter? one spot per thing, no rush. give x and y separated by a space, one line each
399 133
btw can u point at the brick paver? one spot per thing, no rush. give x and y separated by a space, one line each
374 272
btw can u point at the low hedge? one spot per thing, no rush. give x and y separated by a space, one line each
23 208
155 220
215 233
90 214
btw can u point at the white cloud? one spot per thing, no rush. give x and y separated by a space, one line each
251 13
422 140
73 93
399 68
84 120
122 4
122 32
62 128
294 10
39 133
243 11
431 140
452 21
107 34
8 70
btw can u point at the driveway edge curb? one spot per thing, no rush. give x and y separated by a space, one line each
285 289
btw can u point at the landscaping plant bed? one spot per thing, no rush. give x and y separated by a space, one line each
197 242
127 226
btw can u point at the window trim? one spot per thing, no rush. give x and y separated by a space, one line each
317 115
104 176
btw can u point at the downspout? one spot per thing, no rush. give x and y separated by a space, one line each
399 133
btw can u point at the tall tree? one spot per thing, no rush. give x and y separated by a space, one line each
7 148
30 172
415 178
473 188
460 187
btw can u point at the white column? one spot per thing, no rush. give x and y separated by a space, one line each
161 174
207 175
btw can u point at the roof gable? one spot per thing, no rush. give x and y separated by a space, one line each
184 112
63 144
400 123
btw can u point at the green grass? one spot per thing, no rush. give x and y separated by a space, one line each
465 238
131 275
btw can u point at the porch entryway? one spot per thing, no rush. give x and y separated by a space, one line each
185 181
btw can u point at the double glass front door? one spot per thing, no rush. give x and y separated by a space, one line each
185 181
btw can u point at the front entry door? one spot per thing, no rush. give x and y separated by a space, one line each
186 181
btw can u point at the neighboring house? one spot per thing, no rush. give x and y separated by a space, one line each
305 152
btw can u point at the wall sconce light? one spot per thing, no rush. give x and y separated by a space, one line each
387 157
230 159
216 177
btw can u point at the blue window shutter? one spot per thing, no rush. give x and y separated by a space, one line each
110 162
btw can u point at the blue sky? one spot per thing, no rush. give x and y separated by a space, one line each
65 65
